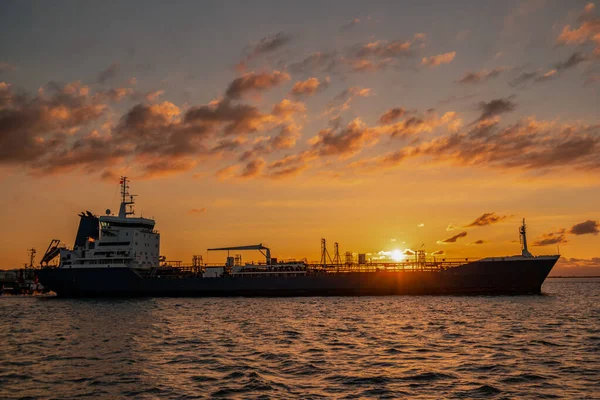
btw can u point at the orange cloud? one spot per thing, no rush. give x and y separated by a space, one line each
34 131
285 109
588 30
528 144
309 87
290 165
481 76
387 49
256 82
196 211
364 65
391 115
440 59
342 101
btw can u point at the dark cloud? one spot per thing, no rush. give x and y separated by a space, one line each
253 168
271 43
349 25
391 115
454 238
266 45
438 253
551 238
164 166
525 77
528 144
285 139
480 76
315 63
342 101
574 60
540 76
495 107
479 242
585 228
234 118
290 165
4 66
255 82
487 219
34 129
345 142
453 99
108 74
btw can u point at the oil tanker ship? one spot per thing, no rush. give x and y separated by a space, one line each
119 255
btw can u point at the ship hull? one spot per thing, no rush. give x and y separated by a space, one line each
523 276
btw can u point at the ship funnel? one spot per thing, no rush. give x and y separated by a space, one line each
522 231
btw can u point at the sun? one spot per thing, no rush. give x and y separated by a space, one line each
397 255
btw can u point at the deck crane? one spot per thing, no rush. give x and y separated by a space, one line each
259 247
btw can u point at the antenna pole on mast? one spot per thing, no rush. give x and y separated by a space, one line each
523 232
123 213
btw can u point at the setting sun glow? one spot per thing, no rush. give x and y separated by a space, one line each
397 255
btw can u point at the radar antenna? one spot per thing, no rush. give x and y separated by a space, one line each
523 237
123 212
31 252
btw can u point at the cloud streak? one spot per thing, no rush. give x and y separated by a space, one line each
454 238
255 82
551 238
588 227
475 77
440 59
486 219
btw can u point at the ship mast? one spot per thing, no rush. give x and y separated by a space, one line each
523 233
123 212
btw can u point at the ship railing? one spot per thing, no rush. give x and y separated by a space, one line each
431 266
315 267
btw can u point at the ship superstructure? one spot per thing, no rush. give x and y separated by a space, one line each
113 241
119 255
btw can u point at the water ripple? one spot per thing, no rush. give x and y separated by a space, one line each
309 348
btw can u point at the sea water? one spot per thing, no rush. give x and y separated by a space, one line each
542 346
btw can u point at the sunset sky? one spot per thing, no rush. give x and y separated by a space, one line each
381 125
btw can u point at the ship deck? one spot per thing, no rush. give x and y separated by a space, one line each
329 268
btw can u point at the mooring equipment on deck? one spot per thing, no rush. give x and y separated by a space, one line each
51 252
259 247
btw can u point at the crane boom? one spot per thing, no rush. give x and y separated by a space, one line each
258 247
